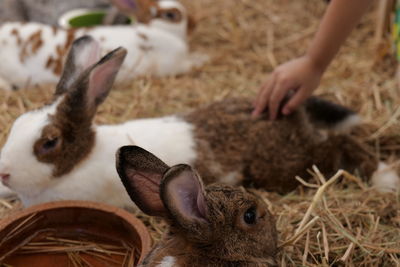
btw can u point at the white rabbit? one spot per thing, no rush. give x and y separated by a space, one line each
43 11
56 153
213 225
33 53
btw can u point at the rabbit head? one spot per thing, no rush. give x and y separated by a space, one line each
218 221
168 15
47 143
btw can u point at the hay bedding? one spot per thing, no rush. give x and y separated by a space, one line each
346 222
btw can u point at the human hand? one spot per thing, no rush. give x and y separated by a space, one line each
300 76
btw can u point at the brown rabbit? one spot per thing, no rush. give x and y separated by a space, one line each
216 225
235 149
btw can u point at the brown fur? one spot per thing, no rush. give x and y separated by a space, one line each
143 36
145 48
142 11
225 240
73 128
31 45
269 154
69 137
54 29
192 23
15 32
55 63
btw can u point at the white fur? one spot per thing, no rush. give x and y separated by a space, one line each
159 49
348 123
17 158
232 178
168 261
5 191
95 178
385 179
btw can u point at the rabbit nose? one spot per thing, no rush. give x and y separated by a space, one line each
4 177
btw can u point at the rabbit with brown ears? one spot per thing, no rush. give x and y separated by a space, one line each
214 225
56 152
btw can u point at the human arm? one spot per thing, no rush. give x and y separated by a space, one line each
303 75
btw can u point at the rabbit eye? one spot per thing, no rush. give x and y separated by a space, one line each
50 144
171 15
250 215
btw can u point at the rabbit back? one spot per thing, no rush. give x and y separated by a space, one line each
35 52
267 154
150 50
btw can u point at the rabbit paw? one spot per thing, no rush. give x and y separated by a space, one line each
385 179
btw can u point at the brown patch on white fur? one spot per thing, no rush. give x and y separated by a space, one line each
74 134
143 36
54 30
143 10
15 32
69 138
31 45
55 63
145 48
269 154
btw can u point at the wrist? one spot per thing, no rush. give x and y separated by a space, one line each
317 64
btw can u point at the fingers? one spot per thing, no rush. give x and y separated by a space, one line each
298 98
263 96
276 98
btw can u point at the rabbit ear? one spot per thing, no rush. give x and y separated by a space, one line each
84 53
102 76
92 87
141 173
182 192
143 10
128 7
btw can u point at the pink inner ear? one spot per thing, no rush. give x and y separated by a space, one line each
101 79
145 189
129 3
125 6
186 196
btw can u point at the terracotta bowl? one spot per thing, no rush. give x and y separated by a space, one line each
73 233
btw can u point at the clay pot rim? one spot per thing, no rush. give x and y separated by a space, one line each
130 218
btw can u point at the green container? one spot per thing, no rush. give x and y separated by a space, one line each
87 20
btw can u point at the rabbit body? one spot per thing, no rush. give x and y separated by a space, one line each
94 178
43 11
269 154
33 53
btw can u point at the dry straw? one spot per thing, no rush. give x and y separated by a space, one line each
342 221
77 247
